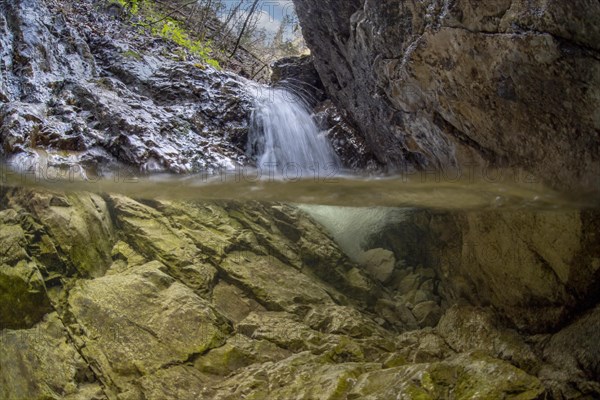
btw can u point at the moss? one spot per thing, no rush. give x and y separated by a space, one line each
417 393
168 28
132 54
223 360
23 299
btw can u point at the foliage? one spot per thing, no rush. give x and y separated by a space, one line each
158 24
213 30
172 30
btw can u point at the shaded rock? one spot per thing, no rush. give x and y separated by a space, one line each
544 259
427 313
41 363
12 238
380 263
534 267
438 85
418 346
23 298
468 328
575 349
76 231
299 74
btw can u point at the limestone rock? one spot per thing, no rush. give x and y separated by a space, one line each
441 85
465 376
380 263
302 376
137 322
274 284
75 229
239 351
40 363
223 300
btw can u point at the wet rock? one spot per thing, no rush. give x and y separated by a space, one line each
464 376
436 85
224 299
347 141
137 322
23 298
41 363
299 75
95 88
380 263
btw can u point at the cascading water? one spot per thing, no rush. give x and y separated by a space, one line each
284 137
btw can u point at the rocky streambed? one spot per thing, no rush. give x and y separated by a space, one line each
111 297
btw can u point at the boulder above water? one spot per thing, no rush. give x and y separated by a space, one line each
436 85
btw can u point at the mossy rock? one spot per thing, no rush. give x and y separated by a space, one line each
23 298
467 376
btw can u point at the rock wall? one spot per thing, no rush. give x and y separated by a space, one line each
444 84
80 89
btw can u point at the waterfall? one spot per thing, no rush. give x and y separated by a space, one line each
285 137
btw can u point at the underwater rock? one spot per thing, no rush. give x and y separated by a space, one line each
380 263
41 363
223 299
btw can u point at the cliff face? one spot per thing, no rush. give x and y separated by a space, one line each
438 84
80 88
